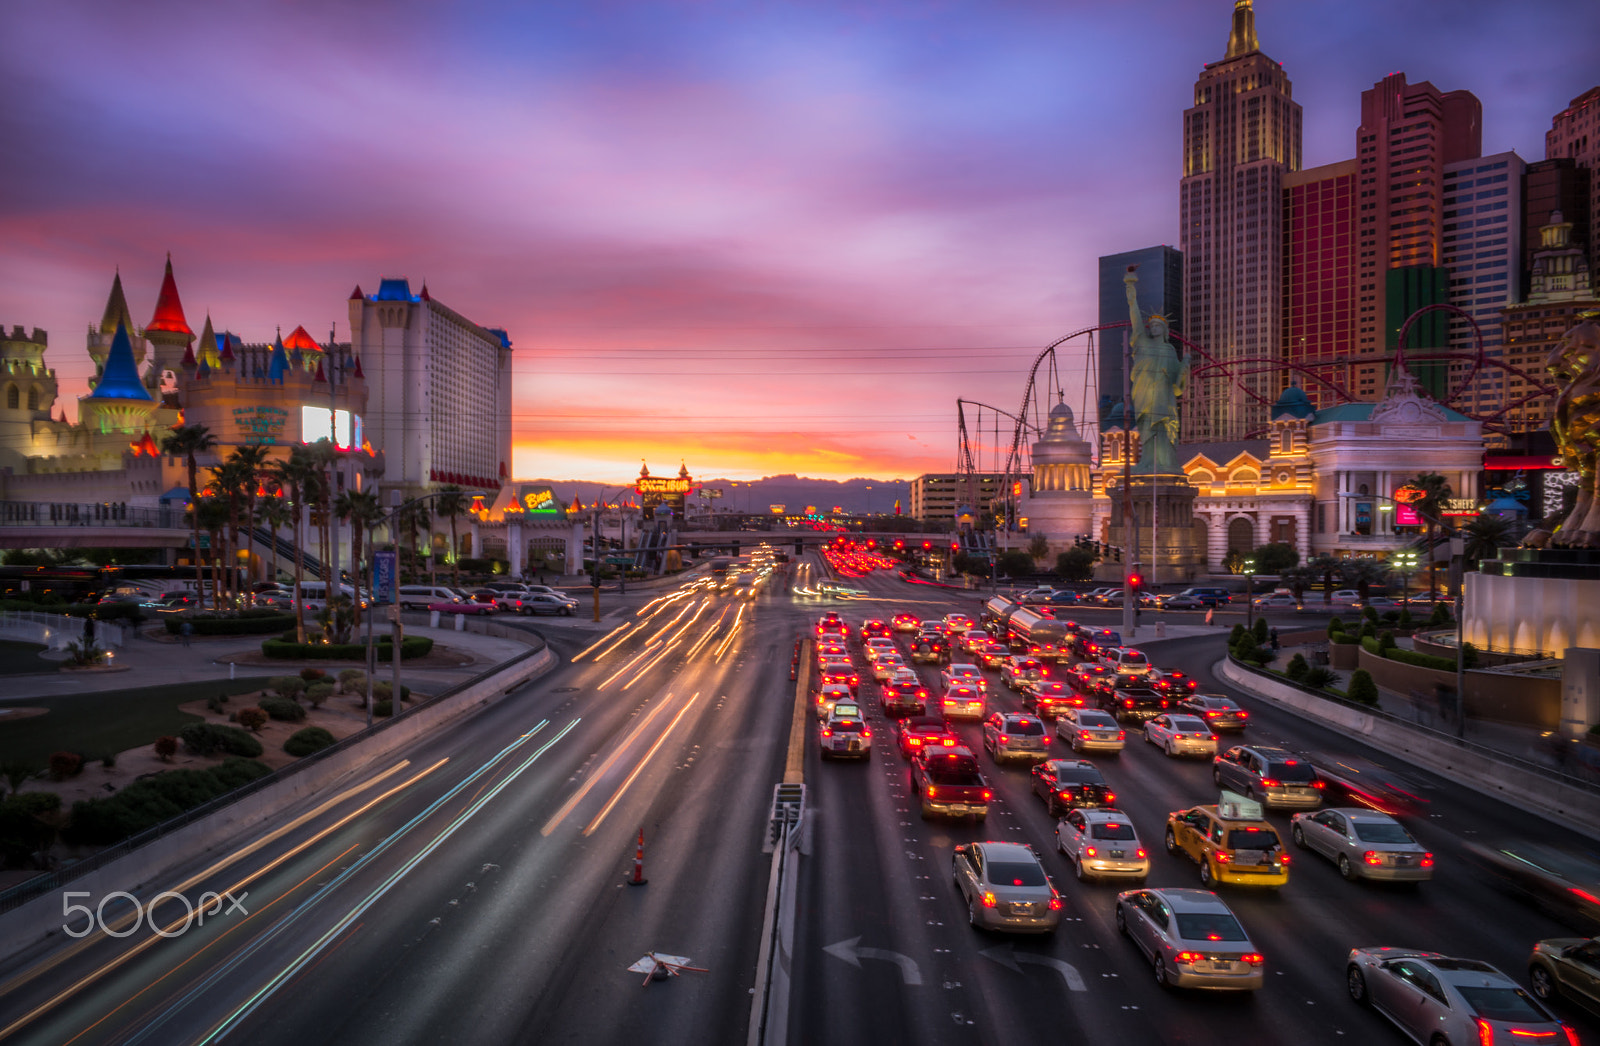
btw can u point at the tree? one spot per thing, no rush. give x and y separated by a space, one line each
188 441
1298 579
299 475
452 503
1075 564
233 481
275 514
1362 572
1327 566
1362 689
166 747
252 719
211 515
361 508
1485 537
1039 547
1435 492
251 460
1233 561
1276 557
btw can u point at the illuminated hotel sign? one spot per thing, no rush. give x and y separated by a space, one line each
541 500
259 424
664 485
339 426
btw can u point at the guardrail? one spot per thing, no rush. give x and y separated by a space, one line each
57 630
43 883
89 514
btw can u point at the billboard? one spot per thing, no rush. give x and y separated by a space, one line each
339 426
385 571
1406 516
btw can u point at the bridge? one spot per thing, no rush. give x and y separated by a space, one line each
30 524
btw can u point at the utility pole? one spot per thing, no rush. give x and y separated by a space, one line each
1130 530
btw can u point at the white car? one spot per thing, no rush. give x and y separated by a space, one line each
877 646
884 668
905 677
832 694
845 737
1364 843
1345 597
963 674
1101 844
963 702
1181 735
1090 730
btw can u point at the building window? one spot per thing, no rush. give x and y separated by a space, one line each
12 397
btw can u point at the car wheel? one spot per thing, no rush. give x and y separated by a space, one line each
1078 870
1172 842
926 813
1216 777
1170 752
1543 985
1298 836
1345 868
1161 973
1205 872
1438 1040
1122 922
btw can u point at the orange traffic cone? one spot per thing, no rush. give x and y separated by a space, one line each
638 863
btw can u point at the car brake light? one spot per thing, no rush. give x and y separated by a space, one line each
1187 957
866 733
1083 735
827 731
1127 702
1283 859
1372 857
1212 712
1140 854
1055 902
1005 739
933 793
1427 860
1317 784
1214 737
988 899
1485 1031
987 795
1223 857
1271 782
1572 1036
1111 797
1253 958
1090 851
1122 735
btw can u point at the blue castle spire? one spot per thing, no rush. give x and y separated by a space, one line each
120 378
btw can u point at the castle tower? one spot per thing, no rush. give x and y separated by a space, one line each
168 332
119 403
27 393
1061 504
116 314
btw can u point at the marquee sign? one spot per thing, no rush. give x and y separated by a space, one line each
260 424
541 500
664 485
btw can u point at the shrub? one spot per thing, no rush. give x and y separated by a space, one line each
1385 642
1297 668
1237 634
35 804
64 765
166 747
281 709
211 738
286 686
154 799
1261 630
351 679
288 650
132 613
252 719
318 693
24 828
1440 615
1362 689
382 708
1248 650
1318 677
1369 630
311 675
1345 638
1370 613
383 691
214 704
1335 626
109 760
1409 657
1469 656
1404 619
304 742
1391 617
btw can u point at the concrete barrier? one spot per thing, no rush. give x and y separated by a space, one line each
1467 765
148 869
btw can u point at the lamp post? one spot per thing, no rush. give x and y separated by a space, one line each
399 630
1250 592
1406 562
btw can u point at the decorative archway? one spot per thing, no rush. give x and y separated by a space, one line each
1241 535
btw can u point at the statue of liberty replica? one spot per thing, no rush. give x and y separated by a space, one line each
1159 377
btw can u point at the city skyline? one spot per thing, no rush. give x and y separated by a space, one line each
762 241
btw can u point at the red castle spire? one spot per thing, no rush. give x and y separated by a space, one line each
169 310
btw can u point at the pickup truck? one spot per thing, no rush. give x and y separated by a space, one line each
1131 700
948 782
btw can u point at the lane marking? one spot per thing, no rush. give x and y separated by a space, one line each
594 778
601 816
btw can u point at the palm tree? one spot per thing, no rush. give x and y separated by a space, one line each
452 503
409 518
275 514
1298 579
326 454
1435 492
1485 537
361 508
1326 565
212 515
232 481
1362 572
299 474
186 442
251 458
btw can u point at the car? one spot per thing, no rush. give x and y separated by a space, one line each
831 624
1173 683
1102 844
1345 597
930 647
1204 596
877 646
1005 888
844 736
1090 730
958 624
1085 675
946 782
509 602
1013 735
840 673
1277 601
885 665
1363 843
1381 604
1272 776
874 627
419 597
844 710
1192 939
1087 643
1230 842
1125 661
904 622
1040 594
465 608
831 694
973 641
1566 967
1564 882
549 603
992 654
1436 999
963 674
905 676
1049 698
1181 735
1354 781
1063 597
1130 698
900 699
1220 712
1021 672
920 732
1070 784
1183 601
963 701
828 650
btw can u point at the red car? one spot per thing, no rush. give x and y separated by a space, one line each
474 608
1175 684
922 732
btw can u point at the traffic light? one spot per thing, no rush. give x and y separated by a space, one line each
1135 581
927 546
799 548
955 546
736 548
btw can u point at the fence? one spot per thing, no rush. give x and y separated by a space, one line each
88 514
55 630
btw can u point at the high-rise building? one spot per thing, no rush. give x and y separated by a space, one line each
1408 134
1240 138
1482 248
1160 293
1319 265
1575 134
441 389
1549 186
942 496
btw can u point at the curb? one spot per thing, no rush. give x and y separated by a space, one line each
1572 808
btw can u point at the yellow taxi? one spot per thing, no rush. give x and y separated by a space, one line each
1231 843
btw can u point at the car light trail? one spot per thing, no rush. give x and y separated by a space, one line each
594 778
733 633
636 657
653 662
589 828
288 973
668 626
620 639
580 655
703 640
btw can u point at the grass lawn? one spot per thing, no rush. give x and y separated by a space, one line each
23 658
108 720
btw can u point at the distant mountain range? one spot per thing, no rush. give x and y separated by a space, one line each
758 496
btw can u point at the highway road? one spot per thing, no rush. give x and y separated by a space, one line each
476 890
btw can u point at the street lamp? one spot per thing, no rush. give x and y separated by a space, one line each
1405 561
1250 592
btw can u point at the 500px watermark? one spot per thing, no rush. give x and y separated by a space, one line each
195 913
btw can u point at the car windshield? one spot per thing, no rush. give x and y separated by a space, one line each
1187 723
1251 839
1113 830
1079 775
1501 1004
1025 727
1292 773
1209 926
1097 719
1133 657
1016 873
1381 832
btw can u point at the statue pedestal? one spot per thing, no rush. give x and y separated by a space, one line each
1534 600
1167 500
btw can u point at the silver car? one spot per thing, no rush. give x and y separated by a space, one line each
1013 735
1181 735
1364 843
1192 939
1101 844
1436 999
1006 888
1090 730
1270 776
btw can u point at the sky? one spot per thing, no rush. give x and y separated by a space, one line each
754 236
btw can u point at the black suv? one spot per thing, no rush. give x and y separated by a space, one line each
1130 698
931 647
1066 784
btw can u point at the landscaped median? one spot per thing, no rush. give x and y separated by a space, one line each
286 649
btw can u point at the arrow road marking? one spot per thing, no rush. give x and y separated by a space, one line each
1009 957
851 953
